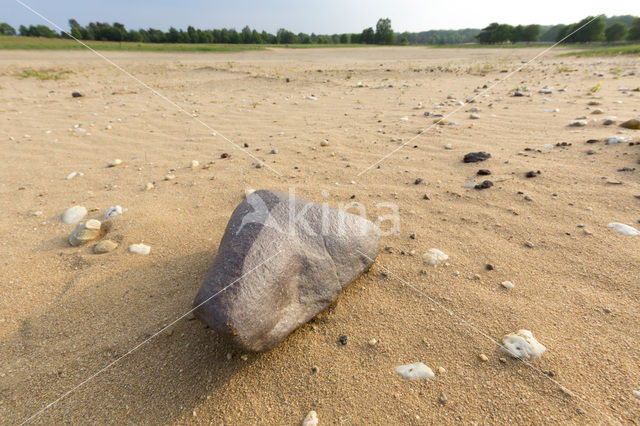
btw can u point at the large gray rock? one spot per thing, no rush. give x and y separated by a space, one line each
281 261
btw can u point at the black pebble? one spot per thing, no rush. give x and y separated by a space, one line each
426 197
593 141
484 172
343 340
287 79
489 267
484 185
474 157
532 174
418 181
77 94
224 155
627 169
412 236
246 145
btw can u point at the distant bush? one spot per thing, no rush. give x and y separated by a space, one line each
616 32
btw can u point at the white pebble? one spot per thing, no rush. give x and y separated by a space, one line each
194 164
73 215
624 229
577 123
522 345
311 419
74 174
415 371
507 284
140 249
114 211
434 257
617 139
114 163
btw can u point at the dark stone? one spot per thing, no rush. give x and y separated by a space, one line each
281 261
426 197
474 157
225 155
418 181
593 141
532 174
627 169
484 185
76 94
489 267
484 172
343 340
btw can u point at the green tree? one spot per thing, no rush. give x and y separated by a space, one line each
367 36
616 32
304 38
531 33
344 38
587 30
384 32
245 35
6 29
634 31
286 37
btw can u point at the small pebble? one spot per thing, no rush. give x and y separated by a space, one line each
114 163
343 340
73 215
169 176
312 417
324 142
85 232
194 164
507 284
140 249
483 357
372 342
149 186
434 257
415 371
105 246
528 244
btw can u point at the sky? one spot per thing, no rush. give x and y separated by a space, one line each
320 16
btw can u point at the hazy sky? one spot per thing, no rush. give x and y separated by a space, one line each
319 16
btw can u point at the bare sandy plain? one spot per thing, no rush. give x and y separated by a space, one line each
65 312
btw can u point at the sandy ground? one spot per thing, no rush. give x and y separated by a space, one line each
65 313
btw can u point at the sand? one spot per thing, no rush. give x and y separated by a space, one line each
66 313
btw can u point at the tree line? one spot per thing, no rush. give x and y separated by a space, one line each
590 29
610 29
102 31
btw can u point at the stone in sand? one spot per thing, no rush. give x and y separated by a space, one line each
311 419
105 246
634 123
73 215
474 157
76 94
281 261
522 345
416 370
85 232
434 257
624 229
